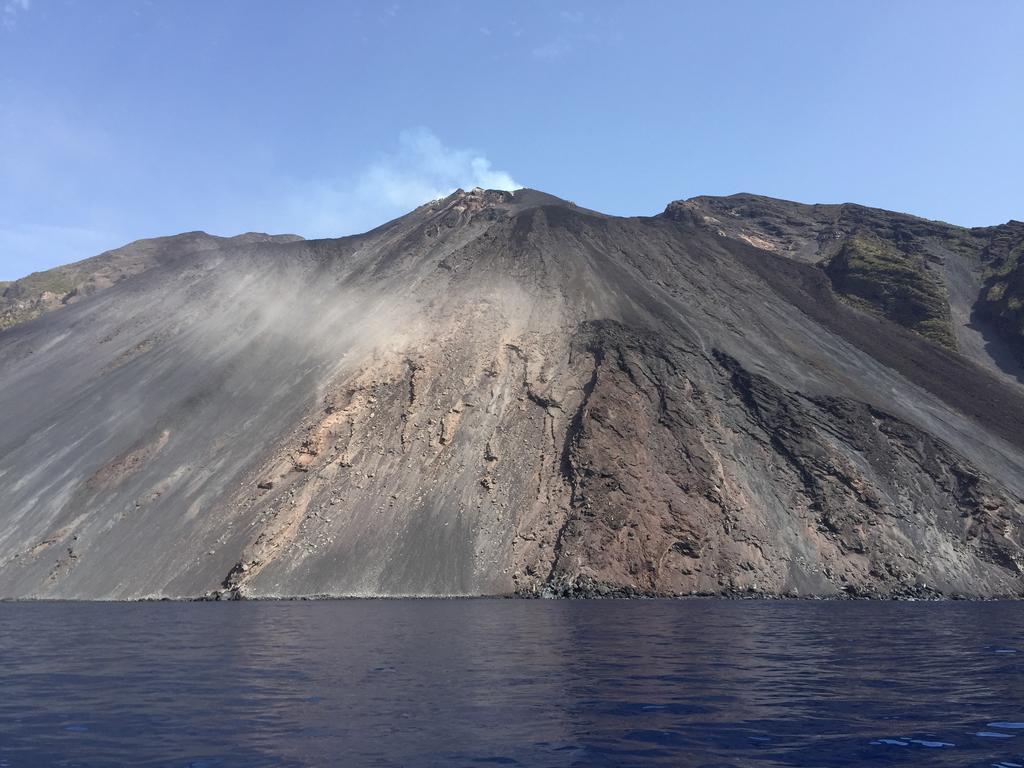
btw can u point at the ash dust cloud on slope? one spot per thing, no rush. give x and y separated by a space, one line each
497 393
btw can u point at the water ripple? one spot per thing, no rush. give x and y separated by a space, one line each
549 683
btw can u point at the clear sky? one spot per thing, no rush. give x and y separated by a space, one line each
121 120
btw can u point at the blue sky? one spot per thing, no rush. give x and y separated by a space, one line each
121 120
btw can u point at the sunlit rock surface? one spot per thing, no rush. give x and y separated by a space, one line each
505 393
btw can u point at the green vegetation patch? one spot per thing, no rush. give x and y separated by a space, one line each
893 282
53 281
23 301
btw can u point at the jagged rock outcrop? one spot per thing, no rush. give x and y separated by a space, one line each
505 393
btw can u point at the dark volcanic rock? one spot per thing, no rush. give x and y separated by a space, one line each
955 286
1002 297
507 394
893 281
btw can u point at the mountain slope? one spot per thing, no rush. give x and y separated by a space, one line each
1002 298
25 299
500 393
942 281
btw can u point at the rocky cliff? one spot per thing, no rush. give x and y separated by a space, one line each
505 393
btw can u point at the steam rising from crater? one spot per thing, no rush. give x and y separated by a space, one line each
422 168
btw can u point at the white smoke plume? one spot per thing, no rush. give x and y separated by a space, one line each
422 169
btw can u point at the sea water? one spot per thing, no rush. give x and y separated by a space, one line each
512 682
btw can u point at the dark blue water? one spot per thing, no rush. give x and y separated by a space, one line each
492 683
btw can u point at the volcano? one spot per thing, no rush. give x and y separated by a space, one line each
507 394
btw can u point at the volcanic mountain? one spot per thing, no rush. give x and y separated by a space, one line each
505 393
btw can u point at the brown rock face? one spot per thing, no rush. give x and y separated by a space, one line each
504 393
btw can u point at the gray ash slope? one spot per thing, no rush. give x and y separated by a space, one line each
504 393
41 292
